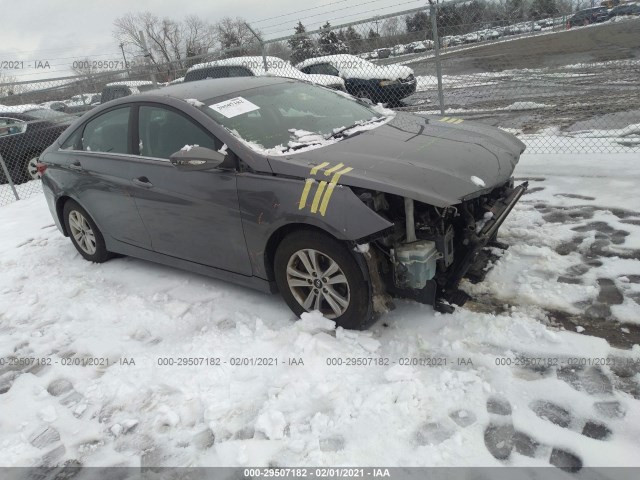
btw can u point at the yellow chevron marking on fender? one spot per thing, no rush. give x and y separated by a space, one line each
327 197
444 119
315 169
318 196
458 120
305 193
333 169
332 185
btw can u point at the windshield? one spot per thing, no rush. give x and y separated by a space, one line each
289 116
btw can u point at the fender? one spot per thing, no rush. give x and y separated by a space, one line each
268 203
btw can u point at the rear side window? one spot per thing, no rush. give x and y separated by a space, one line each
163 132
108 132
74 142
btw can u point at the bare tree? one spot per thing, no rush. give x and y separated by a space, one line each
391 27
235 38
5 88
169 41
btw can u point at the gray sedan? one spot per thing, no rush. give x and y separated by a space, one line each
285 186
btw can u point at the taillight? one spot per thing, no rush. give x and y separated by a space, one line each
41 168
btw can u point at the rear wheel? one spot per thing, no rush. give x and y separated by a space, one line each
84 233
317 272
32 169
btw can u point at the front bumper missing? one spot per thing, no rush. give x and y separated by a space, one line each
480 240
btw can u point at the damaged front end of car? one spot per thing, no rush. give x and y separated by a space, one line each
430 249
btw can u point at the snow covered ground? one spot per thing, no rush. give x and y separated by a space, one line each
514 378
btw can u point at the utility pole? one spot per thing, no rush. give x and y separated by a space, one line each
126 65
147 56
433 13
377 21
262 48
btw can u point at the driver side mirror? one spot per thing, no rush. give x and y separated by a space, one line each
196 158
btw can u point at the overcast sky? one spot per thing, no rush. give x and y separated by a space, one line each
59 32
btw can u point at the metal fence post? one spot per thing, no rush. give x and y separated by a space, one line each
6 174
436 46
147 56
262 47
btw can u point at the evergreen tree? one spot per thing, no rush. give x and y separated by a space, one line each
543 9
329 43
301 45
353 40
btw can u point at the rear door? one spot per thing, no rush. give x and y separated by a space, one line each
190 215
96 166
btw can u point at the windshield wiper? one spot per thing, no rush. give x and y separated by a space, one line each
342 132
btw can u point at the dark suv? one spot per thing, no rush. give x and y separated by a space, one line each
123 89
626 9
588 16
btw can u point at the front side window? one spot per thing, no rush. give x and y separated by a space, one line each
11 126
163 132
108 132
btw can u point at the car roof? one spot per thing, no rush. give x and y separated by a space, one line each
202 90
253 63
130 83
342 57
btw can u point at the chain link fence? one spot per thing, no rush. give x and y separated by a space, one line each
560 75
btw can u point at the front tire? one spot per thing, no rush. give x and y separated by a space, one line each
84 233
314 271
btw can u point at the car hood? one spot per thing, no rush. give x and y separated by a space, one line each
378 72
425 158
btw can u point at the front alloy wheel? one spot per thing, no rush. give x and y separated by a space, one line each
315 271
318 283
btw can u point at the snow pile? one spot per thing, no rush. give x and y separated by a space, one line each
194 101
176 369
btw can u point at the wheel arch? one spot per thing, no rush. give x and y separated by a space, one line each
278 235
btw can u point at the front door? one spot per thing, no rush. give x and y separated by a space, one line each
189 215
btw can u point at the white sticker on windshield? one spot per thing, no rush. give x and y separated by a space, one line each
234 107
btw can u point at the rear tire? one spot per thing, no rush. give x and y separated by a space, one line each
84 233
314 271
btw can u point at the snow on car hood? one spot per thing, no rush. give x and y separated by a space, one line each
424 158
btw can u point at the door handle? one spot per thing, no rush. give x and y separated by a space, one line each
75 165
142 182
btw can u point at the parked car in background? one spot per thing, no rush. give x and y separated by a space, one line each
363 79
471 38
417 47
399 50
254 67
588 16
383 53
57 105
273 183
25 131
114 90
623 10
